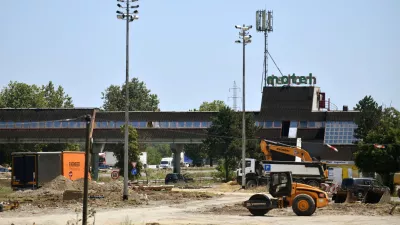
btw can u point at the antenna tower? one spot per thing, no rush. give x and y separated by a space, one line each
265 23
234 97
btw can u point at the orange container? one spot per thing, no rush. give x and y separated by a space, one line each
73 165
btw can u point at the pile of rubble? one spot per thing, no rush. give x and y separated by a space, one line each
63 189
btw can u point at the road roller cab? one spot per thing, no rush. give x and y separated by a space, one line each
283 192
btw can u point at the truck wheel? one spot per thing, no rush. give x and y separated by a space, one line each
259 212
251 184
303 205
360 195
313 183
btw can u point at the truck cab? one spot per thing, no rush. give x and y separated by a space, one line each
166 163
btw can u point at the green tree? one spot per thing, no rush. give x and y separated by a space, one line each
386 132
140 98
199 152
163 149
224 138
153 155
214 106
21 95
133 153
195 152
368 117
56 98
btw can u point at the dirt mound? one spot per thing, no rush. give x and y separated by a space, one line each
5 175
357 209
60 183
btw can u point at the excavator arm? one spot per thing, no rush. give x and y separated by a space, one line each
268 146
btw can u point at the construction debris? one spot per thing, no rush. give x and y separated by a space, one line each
153 188
72 195
9 205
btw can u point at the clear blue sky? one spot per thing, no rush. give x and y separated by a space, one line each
184 50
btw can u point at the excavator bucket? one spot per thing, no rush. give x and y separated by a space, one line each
350 198
386 198
374 198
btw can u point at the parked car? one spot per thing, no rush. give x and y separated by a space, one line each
4 170
177 178
359 187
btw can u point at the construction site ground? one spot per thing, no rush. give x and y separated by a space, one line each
217 205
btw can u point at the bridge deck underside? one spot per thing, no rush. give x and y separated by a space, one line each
146 135
186 136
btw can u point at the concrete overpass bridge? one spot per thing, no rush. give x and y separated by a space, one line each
68 125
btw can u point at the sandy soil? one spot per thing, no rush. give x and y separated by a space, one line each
205 212
182 207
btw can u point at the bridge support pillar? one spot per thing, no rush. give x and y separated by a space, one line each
177 150
96 149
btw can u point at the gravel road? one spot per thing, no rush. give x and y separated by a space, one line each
191 213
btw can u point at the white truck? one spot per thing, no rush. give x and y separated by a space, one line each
311 173
166 163
143 159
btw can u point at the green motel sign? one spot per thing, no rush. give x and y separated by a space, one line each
292 79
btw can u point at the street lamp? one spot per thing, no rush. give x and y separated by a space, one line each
246 39
129 17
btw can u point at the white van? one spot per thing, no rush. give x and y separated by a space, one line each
166 163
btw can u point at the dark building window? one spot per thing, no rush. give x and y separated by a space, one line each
57 124
277 124
64 124
285 128
34 125
303 124
164 124
269 124
119 124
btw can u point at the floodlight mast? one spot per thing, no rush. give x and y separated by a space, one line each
246 39
129 18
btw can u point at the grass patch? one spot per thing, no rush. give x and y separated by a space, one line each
4 192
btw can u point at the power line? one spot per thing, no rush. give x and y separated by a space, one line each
235 96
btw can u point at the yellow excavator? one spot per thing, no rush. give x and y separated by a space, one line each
268 146
307 172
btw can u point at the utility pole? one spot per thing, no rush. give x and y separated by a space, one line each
129 18
234 97
246 39
88 120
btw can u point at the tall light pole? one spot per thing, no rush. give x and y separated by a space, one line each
246 39
129 17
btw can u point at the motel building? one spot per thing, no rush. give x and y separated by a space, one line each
295 111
